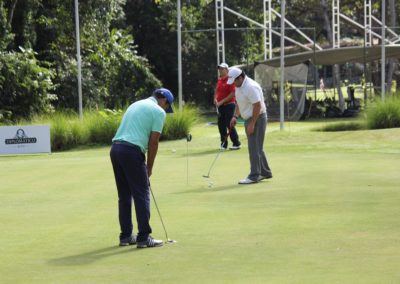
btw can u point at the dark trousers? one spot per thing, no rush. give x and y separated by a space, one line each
132 183
225 115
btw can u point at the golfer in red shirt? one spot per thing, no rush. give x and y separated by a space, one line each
224 100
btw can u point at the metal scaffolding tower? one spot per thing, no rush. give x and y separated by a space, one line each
219 14
367 23
336 23
367 27
266 26
268 30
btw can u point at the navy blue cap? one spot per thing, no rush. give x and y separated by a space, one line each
168 95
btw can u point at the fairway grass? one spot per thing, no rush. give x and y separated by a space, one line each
329 215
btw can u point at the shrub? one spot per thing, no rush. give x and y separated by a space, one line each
384 114
25 86
102 125
67 132
99 127
178 124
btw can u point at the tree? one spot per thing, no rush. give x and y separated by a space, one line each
25 85
113 74
5 35
153 27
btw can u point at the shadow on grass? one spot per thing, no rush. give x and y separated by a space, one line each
218 188
90 256
213 151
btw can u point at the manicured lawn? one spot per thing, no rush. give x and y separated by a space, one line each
329 215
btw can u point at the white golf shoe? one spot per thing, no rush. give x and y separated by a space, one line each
247 181
149 243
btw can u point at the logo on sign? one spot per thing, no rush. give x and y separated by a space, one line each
21 138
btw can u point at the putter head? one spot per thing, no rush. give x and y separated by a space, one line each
206 176
169 241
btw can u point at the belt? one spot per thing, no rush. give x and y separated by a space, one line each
263 114
121 142
226 104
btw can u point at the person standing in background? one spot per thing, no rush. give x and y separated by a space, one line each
224 100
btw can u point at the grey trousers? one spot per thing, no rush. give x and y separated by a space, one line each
258 160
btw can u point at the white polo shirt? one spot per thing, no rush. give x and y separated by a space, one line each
248 94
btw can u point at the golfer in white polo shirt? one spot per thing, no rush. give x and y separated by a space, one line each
251 107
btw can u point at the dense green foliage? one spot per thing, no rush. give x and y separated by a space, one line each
5 35
178 124
25 85
129 47
384 114
113 74
67 132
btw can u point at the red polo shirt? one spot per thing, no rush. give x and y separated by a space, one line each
223 90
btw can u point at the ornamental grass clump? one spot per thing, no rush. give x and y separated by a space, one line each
384 114
178 124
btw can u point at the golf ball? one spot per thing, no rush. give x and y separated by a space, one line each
173 151
210 184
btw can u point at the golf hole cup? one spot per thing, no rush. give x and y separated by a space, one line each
210 184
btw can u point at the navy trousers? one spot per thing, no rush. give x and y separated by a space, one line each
132 183
226 113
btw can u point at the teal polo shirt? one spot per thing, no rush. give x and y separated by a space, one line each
140 119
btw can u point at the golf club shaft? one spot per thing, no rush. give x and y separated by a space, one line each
159 214
219 152
216 157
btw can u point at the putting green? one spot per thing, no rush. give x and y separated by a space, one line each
329 215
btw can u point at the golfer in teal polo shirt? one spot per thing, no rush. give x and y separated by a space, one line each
139 133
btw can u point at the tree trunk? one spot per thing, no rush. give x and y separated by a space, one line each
393 23
11 12
336 68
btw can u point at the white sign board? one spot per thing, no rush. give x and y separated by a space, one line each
24 139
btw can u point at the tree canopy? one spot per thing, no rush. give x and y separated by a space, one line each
129 47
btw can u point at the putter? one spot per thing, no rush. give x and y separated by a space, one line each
159 214
219 152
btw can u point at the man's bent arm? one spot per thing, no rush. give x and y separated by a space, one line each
227 99
152 151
